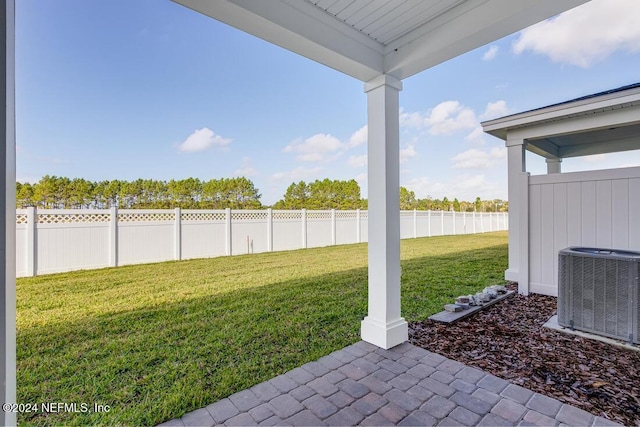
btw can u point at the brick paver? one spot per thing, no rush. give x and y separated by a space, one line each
406 385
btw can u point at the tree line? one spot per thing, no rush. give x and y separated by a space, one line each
53 192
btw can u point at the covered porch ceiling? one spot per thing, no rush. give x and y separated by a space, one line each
367 38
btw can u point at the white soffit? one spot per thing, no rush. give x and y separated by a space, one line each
366 38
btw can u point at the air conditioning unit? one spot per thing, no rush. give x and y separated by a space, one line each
598 292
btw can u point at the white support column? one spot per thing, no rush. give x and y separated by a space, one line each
8 210
304 228
384 326
516 165
333 227
177 235
523 255
31 242
113 237
554 165
269 230
429 223
358 227
415 224
227 235
490 222
442 222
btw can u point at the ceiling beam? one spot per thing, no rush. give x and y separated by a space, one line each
468 26
302 28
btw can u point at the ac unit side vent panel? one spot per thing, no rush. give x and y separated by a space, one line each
598 292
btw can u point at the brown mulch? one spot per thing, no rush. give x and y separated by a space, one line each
508 341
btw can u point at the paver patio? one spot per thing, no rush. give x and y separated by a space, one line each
406 385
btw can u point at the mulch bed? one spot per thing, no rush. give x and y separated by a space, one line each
508 341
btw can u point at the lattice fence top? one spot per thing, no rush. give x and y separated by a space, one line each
244 215
21 218
146 216
318 214
346 214
406 214
287 215
203 216
72 218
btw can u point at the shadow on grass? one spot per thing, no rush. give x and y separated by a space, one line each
157 363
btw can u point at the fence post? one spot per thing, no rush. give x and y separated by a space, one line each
474 222
269 230
227 212
490 222
482 222
429 223
442 222
358 227
464 222
415 224
333 226
177 236
454 221
304 228
113 237
31 241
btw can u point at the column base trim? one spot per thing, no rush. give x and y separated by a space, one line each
511 275
384 335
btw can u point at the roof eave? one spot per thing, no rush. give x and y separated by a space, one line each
499 127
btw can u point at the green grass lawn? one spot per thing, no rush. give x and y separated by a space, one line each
155 341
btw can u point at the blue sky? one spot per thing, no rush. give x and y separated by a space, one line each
119 89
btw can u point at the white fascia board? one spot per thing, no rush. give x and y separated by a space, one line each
466 27
618 100
302 28
591 120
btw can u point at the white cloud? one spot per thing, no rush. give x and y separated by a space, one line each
476 136
359 137
494 110
316 148
490 53
426 187
449 117
357 161
407 153
462 187
586 34
297 174
411 120
443 119
480 159
595 158
202 139
246 169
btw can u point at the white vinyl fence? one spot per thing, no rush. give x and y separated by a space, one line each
57 240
